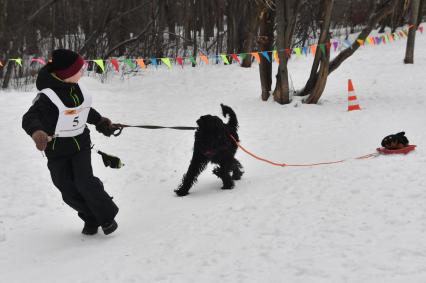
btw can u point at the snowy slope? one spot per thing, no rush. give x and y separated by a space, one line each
358 221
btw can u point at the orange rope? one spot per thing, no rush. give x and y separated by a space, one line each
296 165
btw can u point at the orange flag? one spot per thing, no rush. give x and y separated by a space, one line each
313 49
141 63
204 58
256 56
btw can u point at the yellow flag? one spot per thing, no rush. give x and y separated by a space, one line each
276 56
360 42
100 63
18 61
224 58
298 51
166 61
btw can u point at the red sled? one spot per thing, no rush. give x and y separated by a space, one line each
403 150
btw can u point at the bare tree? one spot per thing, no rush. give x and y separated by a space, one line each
286 15
414 13
265 41
317 81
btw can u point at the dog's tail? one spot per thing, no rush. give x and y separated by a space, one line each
233 122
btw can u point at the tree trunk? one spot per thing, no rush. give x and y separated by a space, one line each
316 83
253 23
420 16
414 13
265 42
286 19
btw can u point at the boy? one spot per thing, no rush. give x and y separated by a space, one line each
57 123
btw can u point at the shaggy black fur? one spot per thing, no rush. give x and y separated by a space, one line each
396 141
213 144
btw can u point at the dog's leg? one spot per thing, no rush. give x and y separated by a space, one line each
237 170
224 173
197 165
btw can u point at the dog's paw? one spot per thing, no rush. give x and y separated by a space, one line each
227 187
181 193
237 175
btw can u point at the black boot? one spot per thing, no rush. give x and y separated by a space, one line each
89 229
109 227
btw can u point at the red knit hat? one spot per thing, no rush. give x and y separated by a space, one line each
65 63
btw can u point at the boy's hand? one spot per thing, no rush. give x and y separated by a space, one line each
41 139
104 126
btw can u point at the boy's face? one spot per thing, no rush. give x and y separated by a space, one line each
75 78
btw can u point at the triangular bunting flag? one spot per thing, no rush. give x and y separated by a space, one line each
360 42
18 61
39 60
256 56
243 56
420 28
377 39
154 61
266 55
166 61
288 53
322 47
235 57
114 63
193 61
335 44
390 37
141 63
224 59
313 49
305 50
277 59
347 43
297 51
129 63
179 60
100 63
204 58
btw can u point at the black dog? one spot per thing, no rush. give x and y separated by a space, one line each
214 144
396 141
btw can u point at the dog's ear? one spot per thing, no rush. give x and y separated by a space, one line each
400 134
387 140
202 120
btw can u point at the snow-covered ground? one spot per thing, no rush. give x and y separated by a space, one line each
358 221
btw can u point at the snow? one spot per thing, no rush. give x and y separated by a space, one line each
357 221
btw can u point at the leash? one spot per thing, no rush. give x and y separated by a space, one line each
297 165
119 128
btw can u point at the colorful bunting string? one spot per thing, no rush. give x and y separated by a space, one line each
273 55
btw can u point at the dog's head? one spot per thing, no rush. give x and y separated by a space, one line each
211 134
396 141
210 123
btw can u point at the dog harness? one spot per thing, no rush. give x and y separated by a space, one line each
71 121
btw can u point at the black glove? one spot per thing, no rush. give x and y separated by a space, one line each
104 126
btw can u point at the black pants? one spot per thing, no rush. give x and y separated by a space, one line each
73 176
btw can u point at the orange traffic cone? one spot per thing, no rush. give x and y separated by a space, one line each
352 100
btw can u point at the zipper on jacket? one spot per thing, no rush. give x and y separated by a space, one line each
53 145
76 142
72 96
